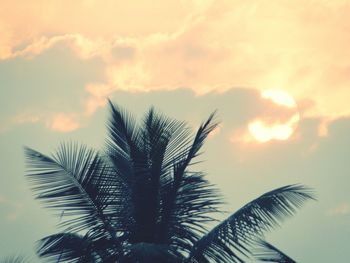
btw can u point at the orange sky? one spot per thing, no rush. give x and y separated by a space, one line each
60 59
297 46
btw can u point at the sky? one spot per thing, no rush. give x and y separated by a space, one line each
277 73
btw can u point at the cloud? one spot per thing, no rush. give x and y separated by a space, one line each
36 19
63 122
17 209
36 87
97 97
277 119
83 47
26 118
58 122
19 119
10 208
340 210
249 45
204 46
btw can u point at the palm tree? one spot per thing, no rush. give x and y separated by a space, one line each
139 201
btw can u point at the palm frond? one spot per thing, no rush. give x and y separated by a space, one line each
187 197
151 158
123 151
268 253
196 201
202 133
156 132
76 181
122 130
149 252
234 235
67 247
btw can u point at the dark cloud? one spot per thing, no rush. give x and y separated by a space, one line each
52 82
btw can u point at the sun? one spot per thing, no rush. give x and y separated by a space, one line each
279 97
264 131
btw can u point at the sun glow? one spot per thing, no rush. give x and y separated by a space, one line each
263 131
279 97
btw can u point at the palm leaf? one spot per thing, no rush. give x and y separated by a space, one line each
123 151
234 235
269 253
122 130
196 201
187 197
148 158
67 247
149 252
77 182
156 133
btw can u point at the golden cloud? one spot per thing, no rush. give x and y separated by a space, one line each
276 118
62 122
341 209
203 45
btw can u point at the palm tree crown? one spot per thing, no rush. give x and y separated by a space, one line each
138 200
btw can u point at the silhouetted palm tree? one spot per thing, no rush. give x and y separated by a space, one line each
138 200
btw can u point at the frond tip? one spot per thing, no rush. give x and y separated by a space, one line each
268 253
